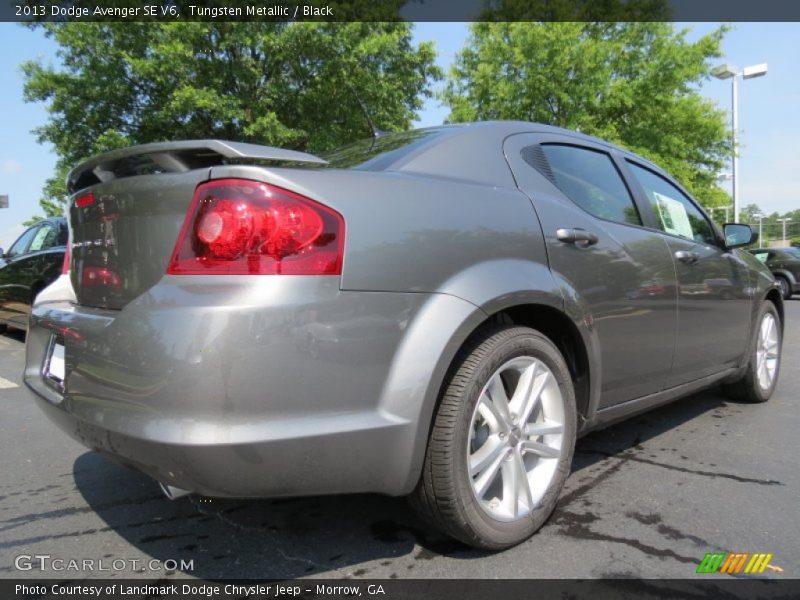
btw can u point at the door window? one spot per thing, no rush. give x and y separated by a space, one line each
676 213
46 237
590 179
21 245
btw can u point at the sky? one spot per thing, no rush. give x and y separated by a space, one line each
769 118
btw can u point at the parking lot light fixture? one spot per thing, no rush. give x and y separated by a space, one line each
784 221
732 72
760 217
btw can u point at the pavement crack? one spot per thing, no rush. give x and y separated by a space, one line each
576 493
276 545
665 530
627 456
576 525
73 510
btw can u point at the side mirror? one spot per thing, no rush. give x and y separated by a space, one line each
739 234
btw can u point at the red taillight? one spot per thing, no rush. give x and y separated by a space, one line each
67 255
84 200
238 226
100 276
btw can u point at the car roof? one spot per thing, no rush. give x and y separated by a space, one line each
469 150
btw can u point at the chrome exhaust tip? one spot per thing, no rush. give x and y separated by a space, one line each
171 492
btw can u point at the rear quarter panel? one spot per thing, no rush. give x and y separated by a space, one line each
472 249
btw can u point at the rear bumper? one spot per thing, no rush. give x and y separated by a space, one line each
244 388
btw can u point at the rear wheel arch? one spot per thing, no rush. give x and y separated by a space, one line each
540 311
559 329
550 322
36 288
786 284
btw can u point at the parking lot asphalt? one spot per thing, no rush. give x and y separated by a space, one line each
646 498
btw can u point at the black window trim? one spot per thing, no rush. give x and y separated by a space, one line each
609 152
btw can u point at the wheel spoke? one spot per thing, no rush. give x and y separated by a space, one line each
486 454
542 450
493 419
524 485
488 475
511 486
763 374
498 400
534 429
534 395
523 390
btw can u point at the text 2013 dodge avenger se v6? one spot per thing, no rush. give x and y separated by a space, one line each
438 313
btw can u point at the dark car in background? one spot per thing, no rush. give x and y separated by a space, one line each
785 266
32 263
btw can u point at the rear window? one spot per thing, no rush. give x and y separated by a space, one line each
793 252
377 154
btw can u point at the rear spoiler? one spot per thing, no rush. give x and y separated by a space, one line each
175 157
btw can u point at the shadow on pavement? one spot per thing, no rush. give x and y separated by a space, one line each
287 538
14 334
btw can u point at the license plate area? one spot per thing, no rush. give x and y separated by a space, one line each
54 367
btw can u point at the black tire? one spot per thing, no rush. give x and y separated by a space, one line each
444 495
748 388
786 287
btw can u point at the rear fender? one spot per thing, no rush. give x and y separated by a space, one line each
444 324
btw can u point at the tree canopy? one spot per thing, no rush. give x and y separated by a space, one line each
298 85
631 83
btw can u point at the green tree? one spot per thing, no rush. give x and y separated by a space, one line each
749 212
631 83
297 85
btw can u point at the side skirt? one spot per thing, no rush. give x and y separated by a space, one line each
619 412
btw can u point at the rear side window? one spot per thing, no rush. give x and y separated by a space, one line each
590 179
45 238
676 213
762 256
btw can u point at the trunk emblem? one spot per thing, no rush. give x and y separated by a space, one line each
92 243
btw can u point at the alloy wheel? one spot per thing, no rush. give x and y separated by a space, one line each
767 351
784 287
516 438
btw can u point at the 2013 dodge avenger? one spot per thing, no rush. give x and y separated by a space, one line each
437 313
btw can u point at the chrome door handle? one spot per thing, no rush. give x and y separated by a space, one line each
687 256
576 236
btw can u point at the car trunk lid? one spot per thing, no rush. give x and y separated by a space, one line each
128 207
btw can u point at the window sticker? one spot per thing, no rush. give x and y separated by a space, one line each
673 215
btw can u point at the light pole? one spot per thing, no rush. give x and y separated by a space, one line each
784 221
733 73
725 177
760 217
